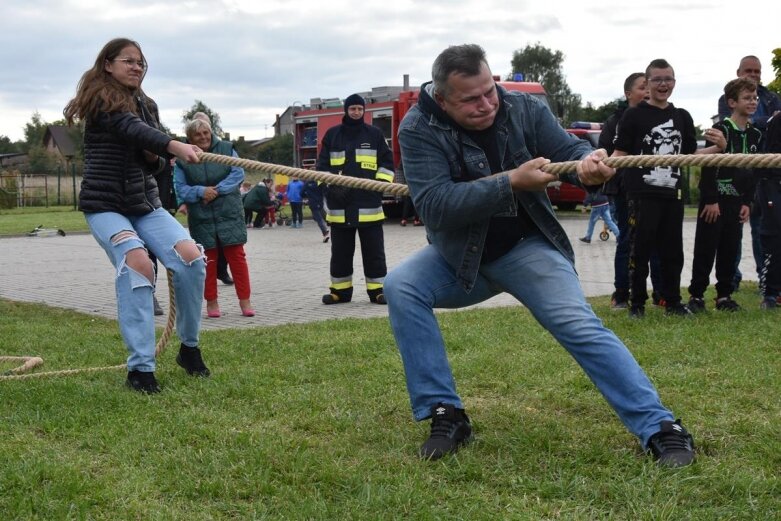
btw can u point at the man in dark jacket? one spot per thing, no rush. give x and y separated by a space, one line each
355 149
473 156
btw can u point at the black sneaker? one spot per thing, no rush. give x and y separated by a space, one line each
672 446
142 382
768 303
696 305
727 304
637 311
225 278
657 299
189 358
618 301
450 428
585 239
677 310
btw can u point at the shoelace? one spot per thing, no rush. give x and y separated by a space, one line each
441 427
673 441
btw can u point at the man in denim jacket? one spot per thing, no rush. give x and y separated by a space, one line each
498 233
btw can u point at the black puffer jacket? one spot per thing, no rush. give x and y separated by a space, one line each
116 176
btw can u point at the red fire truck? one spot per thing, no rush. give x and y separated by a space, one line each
385 108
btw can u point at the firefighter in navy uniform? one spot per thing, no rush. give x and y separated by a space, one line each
355 149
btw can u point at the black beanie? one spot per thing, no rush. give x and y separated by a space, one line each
353 99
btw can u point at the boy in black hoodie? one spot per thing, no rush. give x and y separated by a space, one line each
725 202
656 127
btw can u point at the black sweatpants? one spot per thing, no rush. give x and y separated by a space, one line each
719 241
372 251
769 203
655 223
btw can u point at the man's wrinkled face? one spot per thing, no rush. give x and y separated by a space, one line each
471 101
750 68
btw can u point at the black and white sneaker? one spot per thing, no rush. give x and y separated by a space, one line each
696 304
672 446
142 382
727 304
677 310
450 428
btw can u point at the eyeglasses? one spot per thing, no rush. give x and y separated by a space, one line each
130 62
659 81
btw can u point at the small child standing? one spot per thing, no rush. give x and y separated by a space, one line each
600 209
725 202
246 186
271 210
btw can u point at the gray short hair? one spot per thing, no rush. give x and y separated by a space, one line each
194 125
462 59
203 116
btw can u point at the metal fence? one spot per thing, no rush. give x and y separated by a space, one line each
19 190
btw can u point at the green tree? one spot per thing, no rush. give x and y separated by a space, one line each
7 146
214 118
538 63
775 85
599 114
34 131
278 150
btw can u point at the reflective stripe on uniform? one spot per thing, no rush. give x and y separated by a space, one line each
337 158
341 282
366 215
383 174
374 283
335 216
367 158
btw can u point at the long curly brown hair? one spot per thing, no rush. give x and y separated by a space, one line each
98 90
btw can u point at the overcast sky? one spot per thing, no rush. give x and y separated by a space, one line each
249 59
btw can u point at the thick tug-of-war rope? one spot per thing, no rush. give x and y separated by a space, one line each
727 160
30 362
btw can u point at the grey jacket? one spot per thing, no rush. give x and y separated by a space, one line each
456 205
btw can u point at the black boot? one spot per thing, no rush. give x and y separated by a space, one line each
376 296
338 296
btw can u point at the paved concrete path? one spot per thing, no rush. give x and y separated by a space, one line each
288 271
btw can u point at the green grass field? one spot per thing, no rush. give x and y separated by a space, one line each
313 422
19 221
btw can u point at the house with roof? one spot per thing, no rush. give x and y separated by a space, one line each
57 140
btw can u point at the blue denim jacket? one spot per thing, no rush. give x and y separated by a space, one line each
457 213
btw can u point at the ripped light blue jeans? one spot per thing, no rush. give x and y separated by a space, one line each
543 280
158 232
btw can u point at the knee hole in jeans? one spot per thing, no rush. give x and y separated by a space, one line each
188 251
138 260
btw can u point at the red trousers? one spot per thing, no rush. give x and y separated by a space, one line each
237 261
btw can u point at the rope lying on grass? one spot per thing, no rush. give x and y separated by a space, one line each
727 160
30 362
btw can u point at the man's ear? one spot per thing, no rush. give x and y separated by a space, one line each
440 100
731 103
